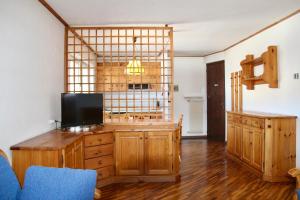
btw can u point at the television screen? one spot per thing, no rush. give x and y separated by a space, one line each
81 109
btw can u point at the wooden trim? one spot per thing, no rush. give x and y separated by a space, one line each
46 5
123 27
240 93
220 51
66 60
53 12
256 33
190 56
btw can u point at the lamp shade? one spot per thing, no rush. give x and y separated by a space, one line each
134 67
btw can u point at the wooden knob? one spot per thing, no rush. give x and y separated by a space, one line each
99 162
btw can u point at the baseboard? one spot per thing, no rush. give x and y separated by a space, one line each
194 137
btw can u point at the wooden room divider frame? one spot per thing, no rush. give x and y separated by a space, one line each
97 61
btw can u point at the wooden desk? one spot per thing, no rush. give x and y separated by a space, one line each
144 152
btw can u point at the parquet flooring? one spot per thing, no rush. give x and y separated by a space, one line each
206 174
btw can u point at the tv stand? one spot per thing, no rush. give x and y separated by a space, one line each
119 153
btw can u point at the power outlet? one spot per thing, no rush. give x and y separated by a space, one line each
296 76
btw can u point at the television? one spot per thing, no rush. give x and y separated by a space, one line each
81 109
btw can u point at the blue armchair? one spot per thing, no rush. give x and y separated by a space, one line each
47 183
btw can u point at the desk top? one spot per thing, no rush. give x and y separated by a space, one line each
261 114
59 139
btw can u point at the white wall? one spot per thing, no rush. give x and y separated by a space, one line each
215 57
31 70
190 75
285 99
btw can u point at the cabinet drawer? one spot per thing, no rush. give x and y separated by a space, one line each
258 123
247 121
105 172
229 117
237 119
99 162
94 140
96 151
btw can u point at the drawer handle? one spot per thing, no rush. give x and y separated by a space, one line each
99 152
99 162
100 140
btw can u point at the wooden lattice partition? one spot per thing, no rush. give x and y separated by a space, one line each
97 61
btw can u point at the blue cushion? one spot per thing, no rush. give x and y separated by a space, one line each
44 183
9 185
298 193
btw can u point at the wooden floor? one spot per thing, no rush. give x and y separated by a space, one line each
206 174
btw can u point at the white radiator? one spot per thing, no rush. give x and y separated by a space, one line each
195 114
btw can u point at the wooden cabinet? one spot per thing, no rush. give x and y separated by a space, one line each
247 145
74 155
263 142
158 153
69 156
112 77
238 132
98 154
145 153
234 138
230 137
129 153
257 149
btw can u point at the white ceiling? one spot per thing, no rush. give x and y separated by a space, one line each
201 26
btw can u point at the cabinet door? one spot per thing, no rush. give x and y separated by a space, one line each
129 153
238 130
257 144
247 145
69 156
230 137
78 154
158 153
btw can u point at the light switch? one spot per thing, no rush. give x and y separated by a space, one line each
296 76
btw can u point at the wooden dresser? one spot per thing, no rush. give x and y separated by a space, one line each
98 154
265 143
119 153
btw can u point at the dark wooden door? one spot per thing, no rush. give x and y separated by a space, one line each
215 100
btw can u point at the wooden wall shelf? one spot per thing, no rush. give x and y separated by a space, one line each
270 74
